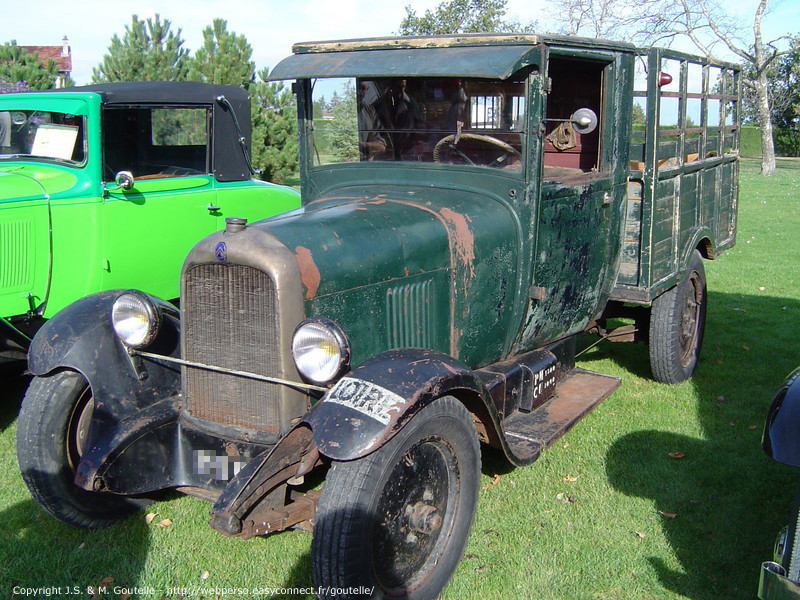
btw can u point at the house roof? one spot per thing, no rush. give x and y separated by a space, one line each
55 52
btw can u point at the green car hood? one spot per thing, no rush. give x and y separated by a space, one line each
33 181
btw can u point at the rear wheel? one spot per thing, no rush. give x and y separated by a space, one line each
677 323
397 520
52 429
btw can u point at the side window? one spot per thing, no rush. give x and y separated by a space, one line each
575 85
156 142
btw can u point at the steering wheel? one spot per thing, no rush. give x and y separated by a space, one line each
449 141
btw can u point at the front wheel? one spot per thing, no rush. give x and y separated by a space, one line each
395 523
52 429
677 323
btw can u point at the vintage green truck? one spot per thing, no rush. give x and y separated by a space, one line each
67 228
470 205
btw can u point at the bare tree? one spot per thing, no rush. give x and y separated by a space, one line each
709 26
590 18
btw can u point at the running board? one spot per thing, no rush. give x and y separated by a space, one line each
527 434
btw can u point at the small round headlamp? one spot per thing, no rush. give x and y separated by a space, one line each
320 349
135 319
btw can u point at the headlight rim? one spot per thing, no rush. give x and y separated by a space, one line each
342 342
154 318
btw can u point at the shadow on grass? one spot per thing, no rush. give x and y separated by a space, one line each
724 501
15 385
37 551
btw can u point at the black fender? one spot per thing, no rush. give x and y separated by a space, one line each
781 439
375 400
80 337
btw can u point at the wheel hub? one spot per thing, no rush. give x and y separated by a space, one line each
423 518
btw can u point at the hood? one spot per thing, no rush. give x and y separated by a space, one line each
354 239
35 181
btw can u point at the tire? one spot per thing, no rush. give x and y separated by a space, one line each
424 485
51 429
677 323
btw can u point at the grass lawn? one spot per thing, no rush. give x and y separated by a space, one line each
642 524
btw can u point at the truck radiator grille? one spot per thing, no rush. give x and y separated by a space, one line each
230 321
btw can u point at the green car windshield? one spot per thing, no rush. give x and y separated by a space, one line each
475 122
42 135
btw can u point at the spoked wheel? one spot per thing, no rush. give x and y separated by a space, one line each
397 520
52 430
677 323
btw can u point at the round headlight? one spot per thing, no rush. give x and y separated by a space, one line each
135 319
320 349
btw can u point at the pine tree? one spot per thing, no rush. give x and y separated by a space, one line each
224 57
148 51
274 119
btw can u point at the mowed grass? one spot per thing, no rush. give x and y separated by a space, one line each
605 513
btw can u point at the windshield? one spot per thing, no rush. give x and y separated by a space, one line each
42 135
443 120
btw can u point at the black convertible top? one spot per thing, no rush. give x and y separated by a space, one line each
229 161
172 92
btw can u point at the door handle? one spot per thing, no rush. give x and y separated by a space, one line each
211 207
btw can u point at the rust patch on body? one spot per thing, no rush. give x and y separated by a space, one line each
309 273
462 239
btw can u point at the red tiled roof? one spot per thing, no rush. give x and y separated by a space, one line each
64 62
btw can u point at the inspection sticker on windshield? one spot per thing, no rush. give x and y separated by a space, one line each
366 397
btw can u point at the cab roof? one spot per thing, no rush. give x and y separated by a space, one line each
481 55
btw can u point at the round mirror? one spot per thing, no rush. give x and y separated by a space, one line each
584 120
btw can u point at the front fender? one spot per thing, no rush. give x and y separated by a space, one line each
374 401
781 439
80 337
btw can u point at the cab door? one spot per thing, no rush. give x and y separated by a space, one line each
581 193
149 228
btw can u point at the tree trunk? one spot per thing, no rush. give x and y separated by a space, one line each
765 124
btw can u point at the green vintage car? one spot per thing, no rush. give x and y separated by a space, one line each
471 205
109 186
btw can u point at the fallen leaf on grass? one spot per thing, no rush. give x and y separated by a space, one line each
753 427
149 518
570 478
482 569
468 556
746 347
565 445
164 523
668 515
641 535
761 288
492 482
95 591
204 575
677 454
740 310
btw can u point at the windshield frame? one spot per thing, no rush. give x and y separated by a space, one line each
517 87
33 116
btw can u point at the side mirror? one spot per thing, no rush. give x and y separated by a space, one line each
584 120
124 180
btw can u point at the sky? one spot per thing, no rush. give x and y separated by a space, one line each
271 26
